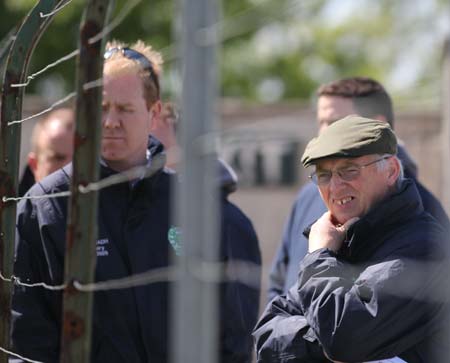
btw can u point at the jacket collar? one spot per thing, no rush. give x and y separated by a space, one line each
155 149
362 239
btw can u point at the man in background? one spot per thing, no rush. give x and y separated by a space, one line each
165 130
51 147
357 95
243 245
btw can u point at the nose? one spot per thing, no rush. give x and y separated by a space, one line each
335 181
111 119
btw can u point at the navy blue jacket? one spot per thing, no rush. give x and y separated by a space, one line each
383 294
307 208
130 325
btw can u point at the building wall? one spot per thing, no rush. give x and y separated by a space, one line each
421 134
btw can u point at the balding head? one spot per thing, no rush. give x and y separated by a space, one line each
52 143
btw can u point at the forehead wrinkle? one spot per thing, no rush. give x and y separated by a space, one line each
340 162
118 103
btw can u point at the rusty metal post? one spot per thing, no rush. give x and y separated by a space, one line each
82 221
11 109
445 128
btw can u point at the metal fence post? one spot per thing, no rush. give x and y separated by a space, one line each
194 300
5 47
11 109
82 221
445 119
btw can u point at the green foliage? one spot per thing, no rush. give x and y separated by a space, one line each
10 16
299 43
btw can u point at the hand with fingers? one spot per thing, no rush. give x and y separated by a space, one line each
326 234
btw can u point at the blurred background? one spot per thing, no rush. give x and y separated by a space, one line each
273 55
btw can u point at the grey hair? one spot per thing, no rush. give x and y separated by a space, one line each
383 164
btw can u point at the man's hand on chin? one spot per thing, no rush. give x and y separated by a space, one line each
325 234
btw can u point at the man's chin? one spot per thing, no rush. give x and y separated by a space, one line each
111 156
110 150
343 218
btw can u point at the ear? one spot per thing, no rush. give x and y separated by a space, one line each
156 108
32 162
155 113
393 170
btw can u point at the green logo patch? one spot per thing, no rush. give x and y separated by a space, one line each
174 237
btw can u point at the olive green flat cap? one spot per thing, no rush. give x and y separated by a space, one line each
351 137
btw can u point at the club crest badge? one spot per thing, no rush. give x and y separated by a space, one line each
174 236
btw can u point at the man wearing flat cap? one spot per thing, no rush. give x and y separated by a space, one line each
373 284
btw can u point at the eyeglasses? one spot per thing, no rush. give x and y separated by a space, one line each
140 58
349 173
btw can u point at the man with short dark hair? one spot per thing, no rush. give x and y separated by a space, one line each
373 284
357 95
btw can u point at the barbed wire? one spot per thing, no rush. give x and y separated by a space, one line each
163 274
46 68
205 271
115 23
241 271
168 52
86 86
51 108
245 272
93 84
229 27
138 172
17 281
18 356
31 197
57 9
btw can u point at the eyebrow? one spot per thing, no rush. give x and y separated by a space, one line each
124 104
117 104
345 164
